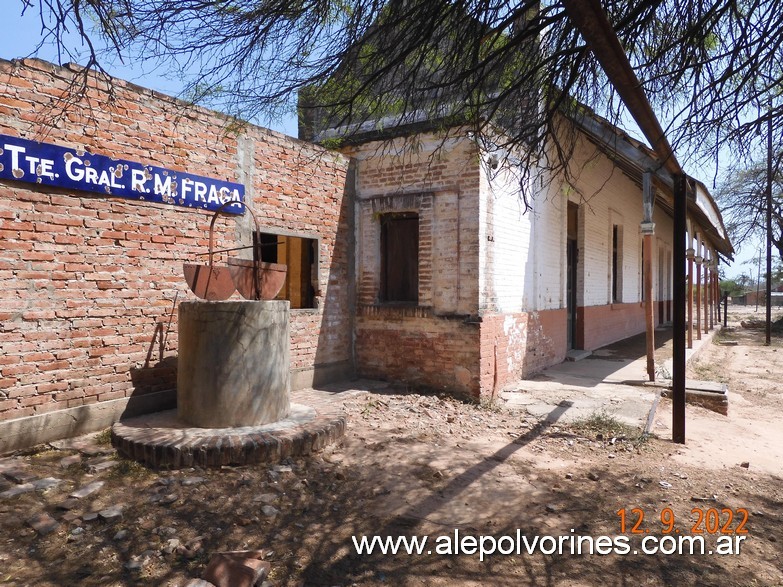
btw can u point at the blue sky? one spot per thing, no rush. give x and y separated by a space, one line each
19 36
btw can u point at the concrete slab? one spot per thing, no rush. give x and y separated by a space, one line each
706 386
612 379
577 355
628 404
717 402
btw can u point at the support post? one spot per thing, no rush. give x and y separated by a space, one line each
706 292
768 327
678 301
716 289
725 309
690 254
699 260
712 294
648 230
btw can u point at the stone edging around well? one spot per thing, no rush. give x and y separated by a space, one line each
159 441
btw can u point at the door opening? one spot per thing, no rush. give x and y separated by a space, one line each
572 261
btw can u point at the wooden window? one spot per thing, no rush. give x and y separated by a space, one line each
299 255
400 257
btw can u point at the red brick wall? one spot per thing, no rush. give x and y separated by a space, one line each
436 343
90 284
598 326
514 346
412 346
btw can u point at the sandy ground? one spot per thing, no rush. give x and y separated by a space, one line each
752 432
416 465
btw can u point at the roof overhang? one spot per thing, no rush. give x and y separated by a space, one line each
634 159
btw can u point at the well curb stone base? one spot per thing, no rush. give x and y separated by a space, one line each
161 441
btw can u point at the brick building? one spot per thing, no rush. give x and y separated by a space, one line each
474 293
414 266
90 284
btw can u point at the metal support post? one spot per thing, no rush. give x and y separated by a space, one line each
678 326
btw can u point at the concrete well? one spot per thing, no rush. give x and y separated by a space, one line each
234 367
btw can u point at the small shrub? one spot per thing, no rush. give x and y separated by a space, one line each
104 437
127 468
605 426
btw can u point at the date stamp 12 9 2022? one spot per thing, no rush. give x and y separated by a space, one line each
701 521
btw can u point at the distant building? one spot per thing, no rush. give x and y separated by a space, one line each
753 298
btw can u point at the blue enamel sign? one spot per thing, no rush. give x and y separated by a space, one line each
75 169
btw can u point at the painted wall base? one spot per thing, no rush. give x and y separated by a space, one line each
321 375
599 326
32 430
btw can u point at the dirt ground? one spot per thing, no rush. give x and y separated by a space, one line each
416 465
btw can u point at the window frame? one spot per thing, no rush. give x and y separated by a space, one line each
310 299
386 295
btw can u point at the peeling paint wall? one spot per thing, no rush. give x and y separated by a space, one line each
523 325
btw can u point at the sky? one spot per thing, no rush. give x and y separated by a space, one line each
19 36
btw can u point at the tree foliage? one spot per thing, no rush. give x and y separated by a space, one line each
742 198
710 67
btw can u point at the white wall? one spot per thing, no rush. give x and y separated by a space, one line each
507 272
523 253
606 196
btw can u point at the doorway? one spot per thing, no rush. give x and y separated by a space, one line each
572 262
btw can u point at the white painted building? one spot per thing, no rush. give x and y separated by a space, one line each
495 292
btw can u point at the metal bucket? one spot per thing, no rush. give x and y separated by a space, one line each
254 279
261 282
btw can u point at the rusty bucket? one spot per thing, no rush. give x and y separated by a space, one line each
210 282
260 282
254 279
